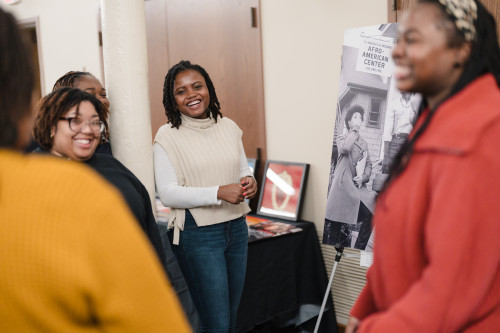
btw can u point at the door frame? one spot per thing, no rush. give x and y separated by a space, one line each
34 22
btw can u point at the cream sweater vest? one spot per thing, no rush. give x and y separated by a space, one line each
204 153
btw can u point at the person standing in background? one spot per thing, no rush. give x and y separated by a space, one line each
73 258
202 173
349 201
399 122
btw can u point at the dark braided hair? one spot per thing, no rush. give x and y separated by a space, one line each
484 58
16 80
68 79
171 110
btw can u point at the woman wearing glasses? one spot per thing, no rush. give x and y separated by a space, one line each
70 124
89 83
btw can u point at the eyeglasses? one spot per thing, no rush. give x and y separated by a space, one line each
76 124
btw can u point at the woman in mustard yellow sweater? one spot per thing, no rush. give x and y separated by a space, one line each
72 257
437 255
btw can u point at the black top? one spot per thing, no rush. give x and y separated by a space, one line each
104 148
135 194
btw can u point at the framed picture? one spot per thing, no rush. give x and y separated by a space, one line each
283 185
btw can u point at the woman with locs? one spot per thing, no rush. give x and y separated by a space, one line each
437 255
202 173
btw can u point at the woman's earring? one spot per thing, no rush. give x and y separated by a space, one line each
457 65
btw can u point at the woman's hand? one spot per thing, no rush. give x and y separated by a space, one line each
232 193
358 180
249 186
352 325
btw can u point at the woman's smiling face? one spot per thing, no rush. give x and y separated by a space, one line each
77 145
425 61
191 94
91 85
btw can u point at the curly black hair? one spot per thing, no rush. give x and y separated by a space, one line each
69 79
351 111
171 110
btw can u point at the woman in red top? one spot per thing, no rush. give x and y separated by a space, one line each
437 254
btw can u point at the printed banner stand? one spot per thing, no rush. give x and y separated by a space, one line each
367 99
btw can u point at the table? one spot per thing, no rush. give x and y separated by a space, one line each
285 284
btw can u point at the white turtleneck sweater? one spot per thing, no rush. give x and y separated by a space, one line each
175 196
203 155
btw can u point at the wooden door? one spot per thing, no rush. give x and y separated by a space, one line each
402 5
224 37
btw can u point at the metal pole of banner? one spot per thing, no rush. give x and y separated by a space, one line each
338 256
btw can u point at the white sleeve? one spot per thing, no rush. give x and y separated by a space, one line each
169 191
244 168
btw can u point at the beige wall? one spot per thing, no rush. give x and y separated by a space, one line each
68 35
302 45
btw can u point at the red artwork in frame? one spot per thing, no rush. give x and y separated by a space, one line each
282 190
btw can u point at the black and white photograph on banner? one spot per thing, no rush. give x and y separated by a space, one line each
373 119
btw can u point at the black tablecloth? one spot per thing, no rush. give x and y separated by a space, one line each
285 277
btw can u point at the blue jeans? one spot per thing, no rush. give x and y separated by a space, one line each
213 260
